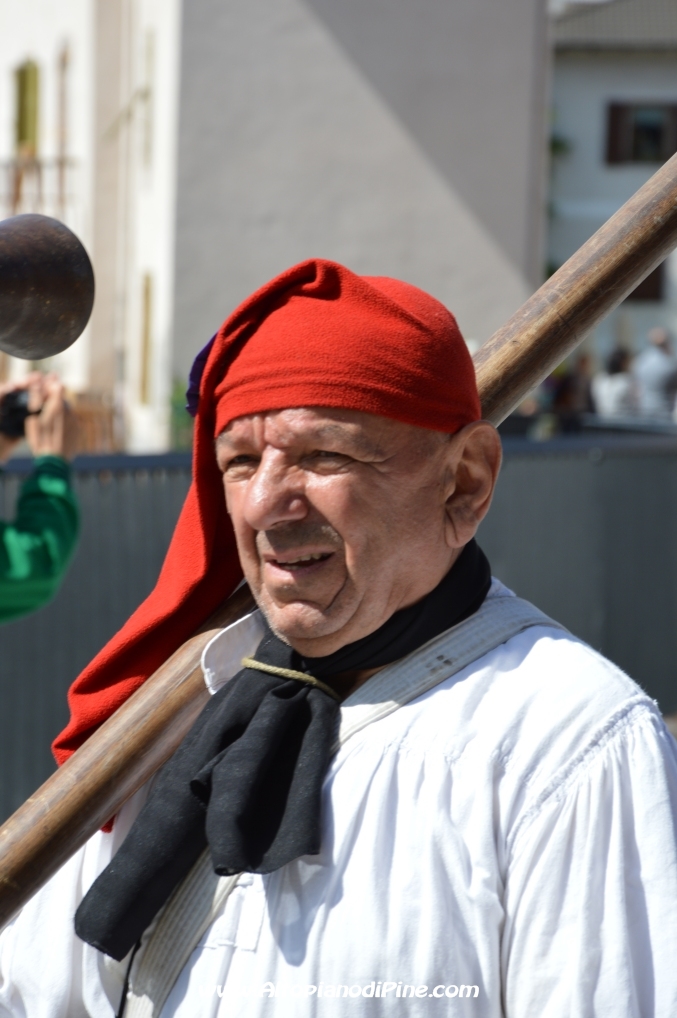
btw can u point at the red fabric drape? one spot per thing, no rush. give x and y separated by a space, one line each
317 335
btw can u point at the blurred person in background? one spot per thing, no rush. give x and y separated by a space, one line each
572 394
36 547
582 384
655 371
614 391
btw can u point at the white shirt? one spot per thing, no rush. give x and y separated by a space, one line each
655 371
511 830
614 395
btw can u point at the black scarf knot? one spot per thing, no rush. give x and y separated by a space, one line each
247 779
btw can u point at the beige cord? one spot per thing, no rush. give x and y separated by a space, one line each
289 673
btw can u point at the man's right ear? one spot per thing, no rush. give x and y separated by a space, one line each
475 460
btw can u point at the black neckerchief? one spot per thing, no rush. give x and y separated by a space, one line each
247 779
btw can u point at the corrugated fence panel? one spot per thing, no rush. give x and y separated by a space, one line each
638 547
128 515
542 538
587 530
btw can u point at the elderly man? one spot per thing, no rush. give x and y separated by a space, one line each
411 793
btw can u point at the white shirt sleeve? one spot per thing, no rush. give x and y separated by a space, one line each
45 970
591 899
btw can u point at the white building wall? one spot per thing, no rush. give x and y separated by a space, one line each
397 139
38 30
585 189
138 131
151 154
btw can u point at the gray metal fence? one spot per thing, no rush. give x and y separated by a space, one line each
129 507
585 528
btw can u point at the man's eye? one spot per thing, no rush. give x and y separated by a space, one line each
328 454
330 459
241 461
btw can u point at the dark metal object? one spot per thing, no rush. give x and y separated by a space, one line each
46 287
13 413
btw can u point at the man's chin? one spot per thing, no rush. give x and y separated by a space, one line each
300 623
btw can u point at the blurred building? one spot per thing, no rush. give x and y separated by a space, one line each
198 152
88 110
614 123
45 126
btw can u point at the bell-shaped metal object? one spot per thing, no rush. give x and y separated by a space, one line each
46 287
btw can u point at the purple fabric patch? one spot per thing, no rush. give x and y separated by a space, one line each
195 377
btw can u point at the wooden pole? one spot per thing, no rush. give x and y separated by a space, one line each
145 731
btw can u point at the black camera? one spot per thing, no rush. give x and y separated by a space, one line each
13 413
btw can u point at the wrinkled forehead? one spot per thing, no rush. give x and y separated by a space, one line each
325 427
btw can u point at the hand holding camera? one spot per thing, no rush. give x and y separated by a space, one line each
35 407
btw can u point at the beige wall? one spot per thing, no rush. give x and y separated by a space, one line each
57 38
108 205
400 138
136 91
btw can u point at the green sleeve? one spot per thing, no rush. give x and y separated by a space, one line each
35 549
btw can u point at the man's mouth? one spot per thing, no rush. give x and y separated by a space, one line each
301 563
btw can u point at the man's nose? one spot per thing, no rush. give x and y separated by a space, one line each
274 495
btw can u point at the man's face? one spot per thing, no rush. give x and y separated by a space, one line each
341 518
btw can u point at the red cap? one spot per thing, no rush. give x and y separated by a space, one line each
317 335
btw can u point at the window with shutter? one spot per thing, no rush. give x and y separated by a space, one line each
641 132
618 133
27 81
